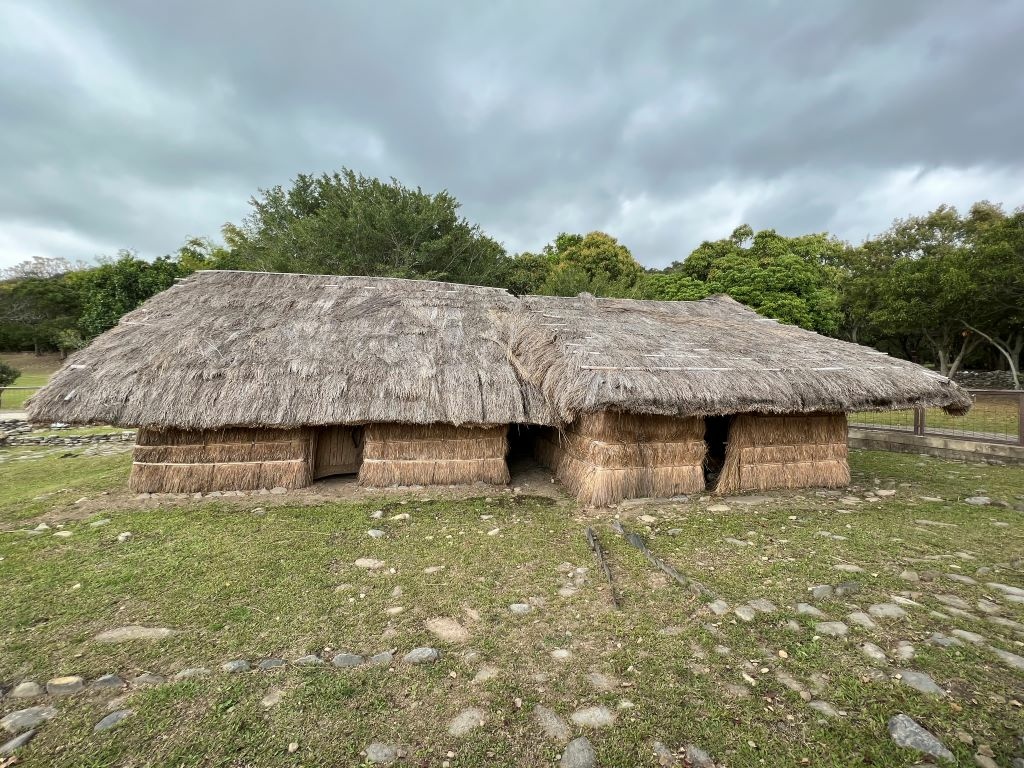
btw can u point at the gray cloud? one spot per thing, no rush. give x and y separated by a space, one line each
136 124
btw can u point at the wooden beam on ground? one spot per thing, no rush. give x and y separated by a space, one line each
595 547
684 581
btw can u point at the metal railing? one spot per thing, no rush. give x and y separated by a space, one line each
997 416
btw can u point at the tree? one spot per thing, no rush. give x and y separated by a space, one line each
8 375
792 279
121 284
671 286
596 263
349 224
35 306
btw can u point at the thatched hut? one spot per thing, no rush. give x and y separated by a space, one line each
672 397
244 380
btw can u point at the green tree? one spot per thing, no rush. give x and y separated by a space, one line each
36 304
671 286
792 279
596 263
349 224
121 284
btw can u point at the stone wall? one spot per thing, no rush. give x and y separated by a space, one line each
984 379
17 432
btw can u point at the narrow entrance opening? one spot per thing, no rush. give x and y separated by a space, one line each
521 441
337 451
716 438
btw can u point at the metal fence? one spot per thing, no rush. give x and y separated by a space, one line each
997 416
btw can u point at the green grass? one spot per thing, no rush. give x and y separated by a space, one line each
997 414
282 583
36 371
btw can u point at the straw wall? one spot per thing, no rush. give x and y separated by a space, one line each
609 456
242 459
765 452
434 454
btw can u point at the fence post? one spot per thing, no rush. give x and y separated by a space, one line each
1020 418
919 421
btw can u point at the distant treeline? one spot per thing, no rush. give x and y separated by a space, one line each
944 288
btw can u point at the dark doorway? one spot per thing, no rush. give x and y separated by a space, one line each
716 437
521 439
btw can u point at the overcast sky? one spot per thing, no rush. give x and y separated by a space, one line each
134 124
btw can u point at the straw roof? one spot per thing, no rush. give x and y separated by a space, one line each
226 348
222 349
699 358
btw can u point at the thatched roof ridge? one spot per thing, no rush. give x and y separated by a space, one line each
222 349
699 358
226 348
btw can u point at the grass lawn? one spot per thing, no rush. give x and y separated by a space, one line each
272 576
991 414
36 370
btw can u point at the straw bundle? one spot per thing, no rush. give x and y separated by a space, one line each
767 452
433 454
606 457
183 461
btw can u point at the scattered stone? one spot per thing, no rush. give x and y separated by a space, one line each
825 708
984 761
719 508
719 607
910 576
807 609
272 699
745 612
978 501
762 605
900 600
369 563
952 601
987 606
943 641
698 758
107 681
873 652
792 684
1010 659
10 747
112 720
848 568
649 519
63 534
551 724
885 492
382 659
886 611
737 542
379 753
520 609
430 570
936 524
862 619
593 717
961 579
192 672
485 673
663 754
579 753
906 733
346 660
65 686
466 721
561 654
970 637
905 651
271 663
447 629
98 523
26 719
125 634
376 533
1006 588
847 588
422 655
26 690
235 667
124 536
831 628
602 682
822 592
920 681
148 678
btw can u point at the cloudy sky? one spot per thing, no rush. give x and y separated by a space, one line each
134 124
